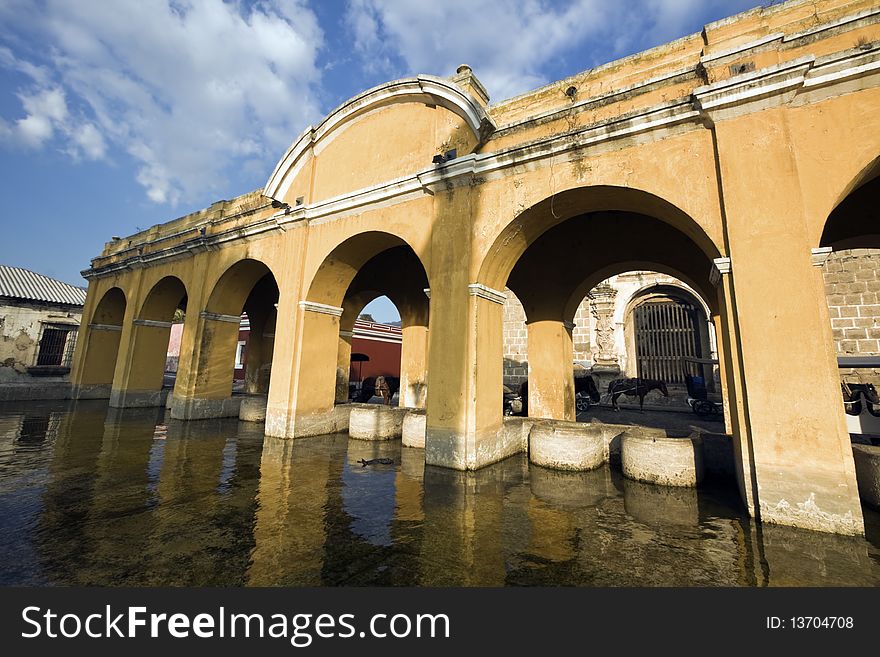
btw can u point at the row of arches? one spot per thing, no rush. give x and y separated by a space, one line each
550 256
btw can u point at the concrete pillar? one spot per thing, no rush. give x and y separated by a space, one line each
140 370
802 459
343 366
464 425
551 371
316 352
204 376
413 367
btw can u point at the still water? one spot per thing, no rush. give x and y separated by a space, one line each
94 496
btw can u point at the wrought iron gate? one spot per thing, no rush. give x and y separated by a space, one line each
666 330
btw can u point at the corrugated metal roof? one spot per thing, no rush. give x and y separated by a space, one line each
18 283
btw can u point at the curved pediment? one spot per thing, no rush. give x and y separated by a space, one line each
422 91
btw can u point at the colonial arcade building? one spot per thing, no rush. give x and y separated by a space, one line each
735 160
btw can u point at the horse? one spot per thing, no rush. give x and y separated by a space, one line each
581 384
633 387
386 386
855 393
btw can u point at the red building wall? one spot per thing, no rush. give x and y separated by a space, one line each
381 343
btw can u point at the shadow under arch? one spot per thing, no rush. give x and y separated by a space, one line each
97 362
521 232
398 274
855 221
138 381
341 265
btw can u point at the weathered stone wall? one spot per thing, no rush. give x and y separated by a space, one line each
852 286
20 333
516 341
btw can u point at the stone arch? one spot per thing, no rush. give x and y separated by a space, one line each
520 233
97 363
247 286
425 90
338 269
659 292
139 379
357 270
554 252
849 256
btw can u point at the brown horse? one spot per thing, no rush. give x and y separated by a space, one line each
633 387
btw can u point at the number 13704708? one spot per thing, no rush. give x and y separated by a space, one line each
810 623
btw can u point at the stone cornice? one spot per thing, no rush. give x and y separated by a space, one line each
322 308
485 292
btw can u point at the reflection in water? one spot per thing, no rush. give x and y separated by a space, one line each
97 496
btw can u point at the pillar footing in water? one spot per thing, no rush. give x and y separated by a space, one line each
658 459
320 423
138 398
457 450
253 408
413 432
203 409
376 422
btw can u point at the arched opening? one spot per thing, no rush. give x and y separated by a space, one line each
97 363
140 379
851 274
573 261
667 334
357 272
235 345
376 343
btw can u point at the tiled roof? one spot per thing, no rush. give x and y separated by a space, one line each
18 283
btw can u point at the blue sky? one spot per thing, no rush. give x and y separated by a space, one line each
115 116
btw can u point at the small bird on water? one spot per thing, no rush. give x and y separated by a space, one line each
365 463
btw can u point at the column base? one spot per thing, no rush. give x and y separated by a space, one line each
203 409
450 449
809 498
92 391
279 424
253 408
138 398
413 433
375 422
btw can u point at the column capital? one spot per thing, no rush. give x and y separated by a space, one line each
486 292
105 327
819 256
720 266
155 323
322 308
219 317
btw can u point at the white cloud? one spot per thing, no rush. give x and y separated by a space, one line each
188 89
512 43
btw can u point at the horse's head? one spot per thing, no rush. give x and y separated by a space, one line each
663 389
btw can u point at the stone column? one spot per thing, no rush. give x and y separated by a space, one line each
204 377
343 366
551 371
800 449
464 418
413 367
312 410
139 375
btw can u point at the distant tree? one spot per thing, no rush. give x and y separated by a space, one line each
366 317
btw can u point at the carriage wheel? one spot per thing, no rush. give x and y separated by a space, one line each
704 408
582 403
